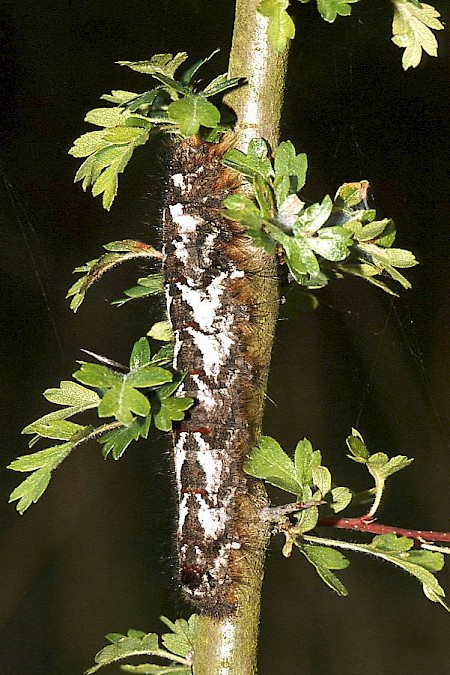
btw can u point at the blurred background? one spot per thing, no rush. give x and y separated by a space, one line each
94 554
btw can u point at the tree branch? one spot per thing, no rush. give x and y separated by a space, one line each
363 524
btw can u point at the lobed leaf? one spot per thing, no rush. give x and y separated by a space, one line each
330 9
397 550
118 252
165 64
411 30
116 441
281 27
168 410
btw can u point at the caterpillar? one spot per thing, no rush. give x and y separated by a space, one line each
211 304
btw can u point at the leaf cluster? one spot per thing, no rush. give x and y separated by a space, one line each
118 252
146 391
177 104
411 24
177 648
281 28
311 483
318 242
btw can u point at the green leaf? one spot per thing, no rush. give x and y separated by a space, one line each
150 376
341 497
288 163
329 9
123 135
222 83
179 645
268 460
188 75
181 640
243 210
162 331
60 430
357 447
165 64
281 27
325 559
306 460
88 143
381 466
306 519
411 30
121 401
119 96
168 410
322 479
314 217
117 441
47 459
95 375
30 490
193 112
106 117
299 256
70 394
146 286
255 162
140 355
42 464
332 243
126 647
396 550
264 196
118 253
164 355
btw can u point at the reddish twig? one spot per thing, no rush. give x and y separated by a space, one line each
366 525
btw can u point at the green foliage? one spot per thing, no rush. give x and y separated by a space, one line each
281 27
411 30
379 465
177 648
146 391
178 104
305 477
397 550
147 286
162 330
318 242
325 559
411 24
118 252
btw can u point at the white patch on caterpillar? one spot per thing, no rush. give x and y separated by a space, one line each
205 303
212 520
204 393
180 457
209 460
215 349
183 510
185 221
178 181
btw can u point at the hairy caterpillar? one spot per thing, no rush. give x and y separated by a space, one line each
211 305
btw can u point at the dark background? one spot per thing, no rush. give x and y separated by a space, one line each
94 555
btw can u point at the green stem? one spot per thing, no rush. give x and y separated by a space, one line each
227 645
